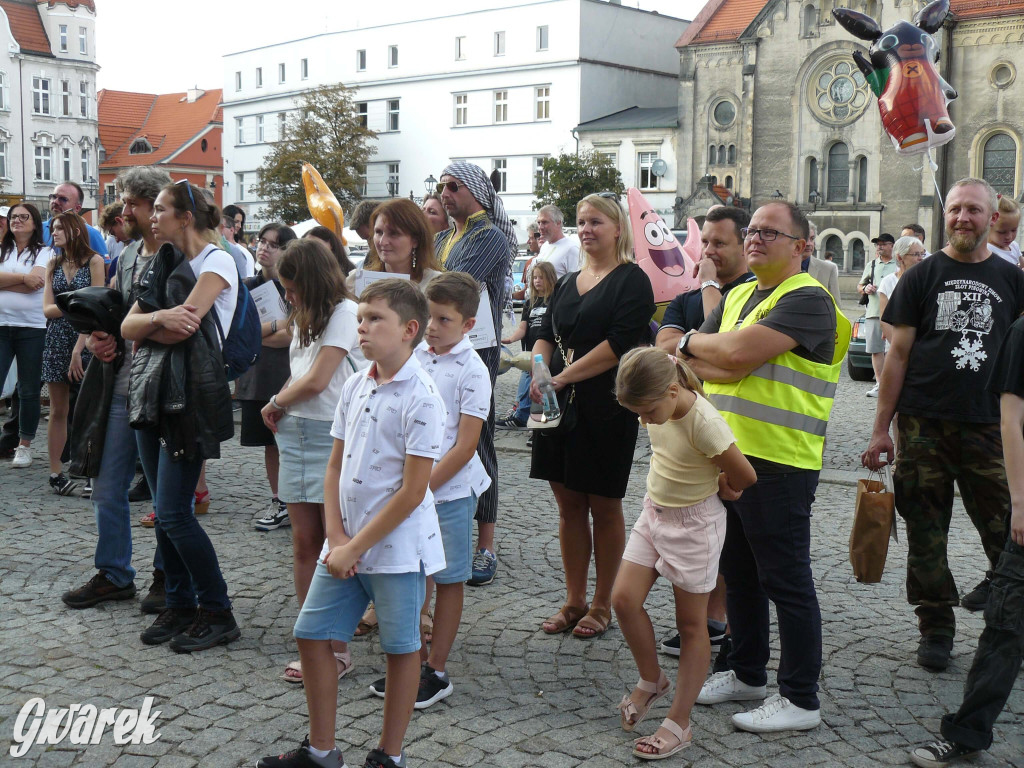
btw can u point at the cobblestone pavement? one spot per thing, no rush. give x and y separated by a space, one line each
522 698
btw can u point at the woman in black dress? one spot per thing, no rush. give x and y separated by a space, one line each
594 317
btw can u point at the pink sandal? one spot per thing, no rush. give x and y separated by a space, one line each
632 714
293 671
664 747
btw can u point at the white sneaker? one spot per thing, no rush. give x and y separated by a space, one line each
873 392
724 686
22 456
777 714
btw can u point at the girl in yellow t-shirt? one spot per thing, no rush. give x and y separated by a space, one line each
679 534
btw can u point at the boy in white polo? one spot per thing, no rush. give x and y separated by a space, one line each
382 532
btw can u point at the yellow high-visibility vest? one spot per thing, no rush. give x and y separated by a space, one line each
779 411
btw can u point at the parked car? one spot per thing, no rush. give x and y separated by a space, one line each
517 277
858 362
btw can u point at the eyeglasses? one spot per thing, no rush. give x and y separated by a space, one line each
20 217
188 188
268 243
535 236
451 186
60 198
765 234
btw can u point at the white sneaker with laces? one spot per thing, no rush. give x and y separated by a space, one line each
725 686
777 714
22 456
873 392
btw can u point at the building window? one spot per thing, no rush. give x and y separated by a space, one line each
499 43
41 95
361 113
721 154
542 97
809 21
728 182
838 173
63 38
392 55
65 98
239 131
140 147
732 154
83 98
862 179
812 179
999 163
83 41
393 115
304 69
460 48
86 175
723 113
240 183
361 61
259 77
259 129
501 166
542 38
857 248
611 157
282 122
645 170
834 245
461 109
238 81
712 155
5 98
280 73
65 163
3 159
364 183
539 176
501 106
44 160
393 179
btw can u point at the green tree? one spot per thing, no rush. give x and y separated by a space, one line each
327 133
570 178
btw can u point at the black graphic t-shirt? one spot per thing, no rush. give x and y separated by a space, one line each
961 313
533 314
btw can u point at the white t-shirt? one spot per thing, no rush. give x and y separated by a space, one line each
23 310
341 333
888 285
244 261
464 384
381 424
215 260
1012 254
563 255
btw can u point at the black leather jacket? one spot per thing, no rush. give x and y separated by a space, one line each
179 389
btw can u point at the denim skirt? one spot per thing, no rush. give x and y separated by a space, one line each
305 446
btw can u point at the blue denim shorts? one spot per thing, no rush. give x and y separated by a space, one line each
456 521
333 607
304 446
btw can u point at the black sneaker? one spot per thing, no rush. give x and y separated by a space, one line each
62 485
276 517
378 758
210 628
97 590
977 598
722 659
303 758
377 687
716 636
156 599
933 651
140 491
168 624
671 646
432 688
940 753
510 422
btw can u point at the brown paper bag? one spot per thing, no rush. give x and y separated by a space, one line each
873 519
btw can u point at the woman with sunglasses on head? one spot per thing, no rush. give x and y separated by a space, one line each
179 435
594 317
436 215
23 261
256 386
75 266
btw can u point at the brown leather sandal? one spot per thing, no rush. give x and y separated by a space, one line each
594 624
568 616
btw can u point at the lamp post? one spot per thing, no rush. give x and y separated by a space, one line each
430 184
814 198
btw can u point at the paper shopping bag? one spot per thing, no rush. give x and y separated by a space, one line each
873 519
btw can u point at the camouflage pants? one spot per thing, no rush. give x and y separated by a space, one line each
934 454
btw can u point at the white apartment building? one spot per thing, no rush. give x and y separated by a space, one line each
503 88
48 123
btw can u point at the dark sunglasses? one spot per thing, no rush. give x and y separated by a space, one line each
451 186
188 188
608 196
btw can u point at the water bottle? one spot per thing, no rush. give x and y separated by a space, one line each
547 409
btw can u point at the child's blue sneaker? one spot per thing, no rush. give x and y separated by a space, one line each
485 565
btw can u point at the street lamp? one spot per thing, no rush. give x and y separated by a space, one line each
430 184
815 198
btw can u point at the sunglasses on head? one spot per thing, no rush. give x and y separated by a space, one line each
188 188
451 186
608 196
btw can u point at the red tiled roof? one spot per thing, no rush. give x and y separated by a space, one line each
27 26
72 4
721 20
974 9
168 122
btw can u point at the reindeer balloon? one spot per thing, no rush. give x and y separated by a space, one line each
912 96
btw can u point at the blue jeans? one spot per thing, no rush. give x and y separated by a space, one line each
523 398
26 346
190 561
110 497
767 556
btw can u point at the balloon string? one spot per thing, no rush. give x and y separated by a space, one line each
935 181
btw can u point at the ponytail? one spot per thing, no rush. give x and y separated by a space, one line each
646 373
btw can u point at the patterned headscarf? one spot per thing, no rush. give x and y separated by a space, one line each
480 186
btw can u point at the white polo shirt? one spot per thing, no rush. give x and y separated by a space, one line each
563 255
465 388
381 425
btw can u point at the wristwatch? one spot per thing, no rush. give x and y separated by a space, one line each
684 343
711 284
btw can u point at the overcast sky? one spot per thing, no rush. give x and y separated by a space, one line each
140 48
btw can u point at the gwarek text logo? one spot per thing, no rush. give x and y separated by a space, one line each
82 724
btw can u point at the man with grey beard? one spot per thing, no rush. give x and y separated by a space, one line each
949 316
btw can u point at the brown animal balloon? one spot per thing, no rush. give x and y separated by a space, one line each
323 205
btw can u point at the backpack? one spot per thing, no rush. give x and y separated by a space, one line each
241 348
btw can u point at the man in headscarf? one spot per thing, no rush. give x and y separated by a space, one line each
482 243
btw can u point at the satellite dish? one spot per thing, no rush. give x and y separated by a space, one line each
659 167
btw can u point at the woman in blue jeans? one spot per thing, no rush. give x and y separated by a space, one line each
183 218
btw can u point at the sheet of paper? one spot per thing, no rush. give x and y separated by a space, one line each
269 303
482 335
365 277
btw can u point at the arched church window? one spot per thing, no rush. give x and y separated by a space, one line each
721 154
999 163
728 182
834 245
712 155
732 153
838 173
857 251
862 179
812 177
809 21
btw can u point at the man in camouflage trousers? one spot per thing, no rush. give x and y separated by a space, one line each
949 316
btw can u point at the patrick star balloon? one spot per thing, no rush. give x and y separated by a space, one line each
668 265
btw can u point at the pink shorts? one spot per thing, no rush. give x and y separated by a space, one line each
682 543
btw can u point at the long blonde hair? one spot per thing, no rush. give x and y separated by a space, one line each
610 207
646 373
550 278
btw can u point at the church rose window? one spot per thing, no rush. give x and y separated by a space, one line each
724 113
838 92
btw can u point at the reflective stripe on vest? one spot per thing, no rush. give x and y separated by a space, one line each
779 412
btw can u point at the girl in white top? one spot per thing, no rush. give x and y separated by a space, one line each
323 335
1002 236
679 534
908 252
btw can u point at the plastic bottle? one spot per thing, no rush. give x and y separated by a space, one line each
547 408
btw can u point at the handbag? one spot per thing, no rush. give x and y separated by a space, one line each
863 300
566 420
874 520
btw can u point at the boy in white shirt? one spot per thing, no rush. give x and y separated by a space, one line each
382 532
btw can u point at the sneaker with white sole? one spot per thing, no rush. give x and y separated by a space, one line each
873 392
432 688
725 686
22 456
777 714
276 517
939 754
61 484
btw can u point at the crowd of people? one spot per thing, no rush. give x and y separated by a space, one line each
372 399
